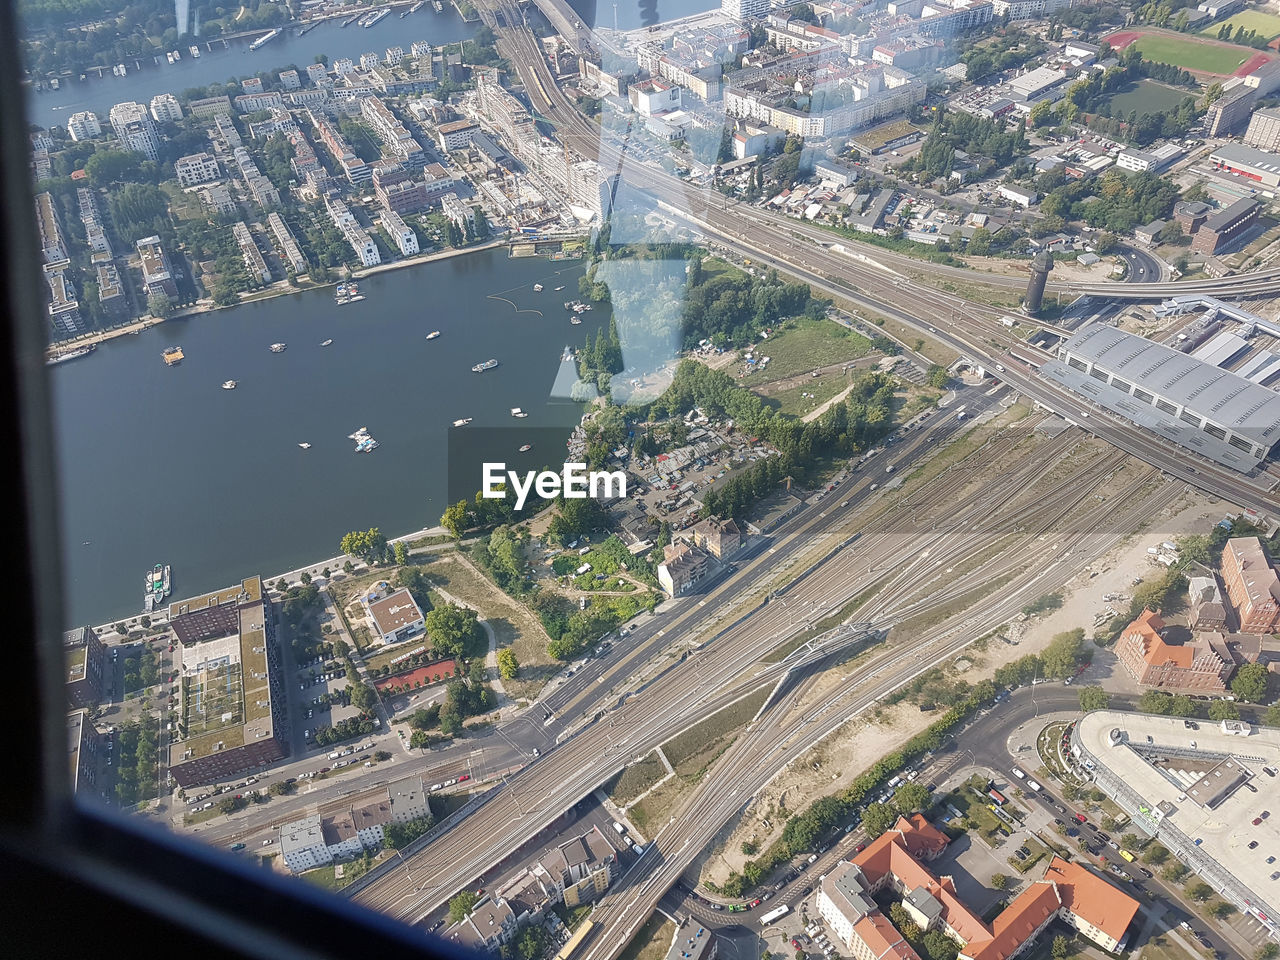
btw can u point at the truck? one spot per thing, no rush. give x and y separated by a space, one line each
777 913
1033 785
335 755
619 828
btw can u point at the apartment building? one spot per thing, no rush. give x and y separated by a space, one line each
135 128
165 108
83 126
196 168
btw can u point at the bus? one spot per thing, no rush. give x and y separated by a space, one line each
775 914
997 796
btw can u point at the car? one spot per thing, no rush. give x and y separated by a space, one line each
1271 859
1081 818
237 846
1276 875
755 903
171 648
480 891
795 943
1253 844
268 842
717 906
1264 814
325 769
1257 820
464 777
859 848
292 780
1147 873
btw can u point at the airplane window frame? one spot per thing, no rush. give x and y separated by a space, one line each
107 873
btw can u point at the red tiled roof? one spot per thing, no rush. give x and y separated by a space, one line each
1154 650
1093 899
883 938
1017 923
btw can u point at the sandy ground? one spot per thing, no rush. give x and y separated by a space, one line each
1062 270
853 749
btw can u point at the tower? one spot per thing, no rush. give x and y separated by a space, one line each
1040 268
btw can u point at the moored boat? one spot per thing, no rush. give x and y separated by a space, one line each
173 355
167 581
526 448
462 423
482 367
537 288
70 354
229 385
278 347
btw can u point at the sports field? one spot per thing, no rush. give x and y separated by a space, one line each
1265 24
1146 96
1197 54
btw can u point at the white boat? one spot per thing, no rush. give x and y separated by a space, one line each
517 412
526 448
362 432
537 288
229 385
559 288
462 423
433 334
325 343
575 320
305 446
278 347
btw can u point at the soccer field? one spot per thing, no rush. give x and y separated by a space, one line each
1264 23
1192 54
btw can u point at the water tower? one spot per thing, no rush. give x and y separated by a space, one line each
1040 268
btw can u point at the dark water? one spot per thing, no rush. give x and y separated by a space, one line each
220 65
159 464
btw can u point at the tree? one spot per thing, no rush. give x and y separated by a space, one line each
369 545
1000 881
1199 891
160 305
911 797
280 788
461 905
1221 910
939 946
1059 658
1272 718
1093 698
1250 683
877 818
938 376
508 665
1061 948
1269 951
1221 710
451 627
1155 701
1155 854
400 553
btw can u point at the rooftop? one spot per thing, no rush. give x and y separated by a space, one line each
395 611
1164 770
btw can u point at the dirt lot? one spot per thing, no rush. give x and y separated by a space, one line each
1062 270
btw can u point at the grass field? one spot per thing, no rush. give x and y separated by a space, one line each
1192 54
637 778
1264 23
804 346
1146 96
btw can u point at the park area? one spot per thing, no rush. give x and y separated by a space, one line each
1195 54
1145 97
1263 24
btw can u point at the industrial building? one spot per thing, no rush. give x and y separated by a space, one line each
1204 408
1260 166
1227 226
1200 790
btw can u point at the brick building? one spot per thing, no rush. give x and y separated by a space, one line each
1203 664
85 658
1252 584
1225 226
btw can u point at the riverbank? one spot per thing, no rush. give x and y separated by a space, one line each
281 288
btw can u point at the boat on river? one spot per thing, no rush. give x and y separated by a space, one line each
537 288
70 355
229 385
325 343
305 446
173 356
482 367
168 582
433 334
526 448
279 347
462 423
518 413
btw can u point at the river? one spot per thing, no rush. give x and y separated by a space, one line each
158 464
220 65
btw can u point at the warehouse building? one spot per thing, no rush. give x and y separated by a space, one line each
1204 408
1260 166
1199 790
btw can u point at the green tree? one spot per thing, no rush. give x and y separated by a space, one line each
1221 910
400 553
1223 710
1093 698
1250 683
877 818
280 788
1155 701
1272 718
1199 891
1268 951
1061 948
1060 657
1000 881
160 305
911 797
369 545
508 665
938 376
461 905
451 627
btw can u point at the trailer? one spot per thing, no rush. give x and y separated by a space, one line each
997 796
775 914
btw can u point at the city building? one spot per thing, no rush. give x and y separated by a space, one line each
396 140
209 108
491 924
1204 408
1205 606
720 538
340 836
744 9
1225 227
302 844
894 861
85 658
317 73
651 97
290 253
263 100
1252 584
218 197
1185 786
254 263
692 941
231 710
1150 232
828 100
1155 160
581 869
1202 664
82 750
407 799
196 168
1028 9
135 128
64 308
399 231
681 568
1191 215
290 80
157 278
394 56
83 126
1229 112
370 821
1019 195
363 244
396 616
1264 130
460 214
165 108
356 170
52 249
1260 166
252 85
111 291
457 134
